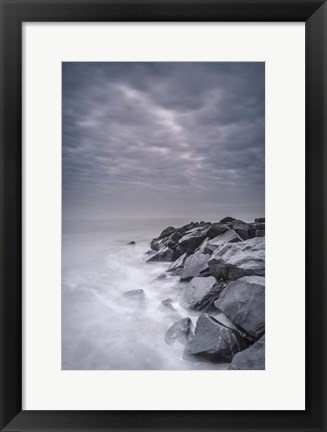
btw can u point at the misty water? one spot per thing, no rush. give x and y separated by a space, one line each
100 329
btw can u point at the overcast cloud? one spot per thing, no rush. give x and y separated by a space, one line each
163 140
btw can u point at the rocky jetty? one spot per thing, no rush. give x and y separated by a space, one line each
221 268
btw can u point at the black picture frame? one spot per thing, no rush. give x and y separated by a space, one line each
13 14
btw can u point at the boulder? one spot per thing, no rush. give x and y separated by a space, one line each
195 265
229 236
169 239
201 292
257 229
259 226
156 244
135 298
222 319
167 306
164 254
235 260
167 231
187 227
259 220
176 268
213 341
216 229
192 230
173 239
243 302
189 242
181 331
252 358
132 243
202 246
242 229
227 219
162 276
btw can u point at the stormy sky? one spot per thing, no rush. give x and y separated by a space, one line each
163 140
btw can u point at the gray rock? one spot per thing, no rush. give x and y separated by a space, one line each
259 226
243 302
258 220
176 268
202 246
217 229
242 229
181 331
257 229
222 319
213 341
173 239
235 260
167 306
187 227
201 292
170 240
135 298
132 243
156 244
195 265
189 242
167 231
252 358
229 236
227 219
162 276
164 254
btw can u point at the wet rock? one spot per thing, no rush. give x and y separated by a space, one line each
201 292
167 306
189 242
259 226
229 236
164 254
135 298
217 229
195 265
259 220
242 229
173 239
227 219
187 227
156 244
163 276
252 358
235 260
181 331
167 232
213 341
222 319
257 229
203 245
132 243
243 302
176 268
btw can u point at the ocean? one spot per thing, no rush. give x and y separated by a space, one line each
100 329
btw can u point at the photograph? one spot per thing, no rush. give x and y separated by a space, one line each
163 216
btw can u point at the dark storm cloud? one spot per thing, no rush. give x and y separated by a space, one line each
163 140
